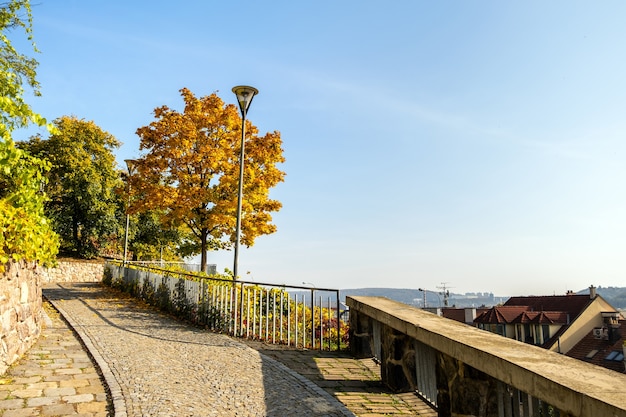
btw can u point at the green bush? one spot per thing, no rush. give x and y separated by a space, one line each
25 233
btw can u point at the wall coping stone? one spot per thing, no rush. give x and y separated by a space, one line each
569 384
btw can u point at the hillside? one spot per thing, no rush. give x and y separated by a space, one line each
616 296
433 299
404 295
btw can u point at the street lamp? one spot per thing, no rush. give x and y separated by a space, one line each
424 293
130 165
244 94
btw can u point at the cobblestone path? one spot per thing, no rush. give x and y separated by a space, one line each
156 366
55 377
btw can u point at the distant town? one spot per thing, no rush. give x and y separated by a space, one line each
616 296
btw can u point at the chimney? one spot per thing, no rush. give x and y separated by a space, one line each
614 333
592 292
611 323
470 315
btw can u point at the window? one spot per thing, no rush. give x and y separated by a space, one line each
546 332
616 355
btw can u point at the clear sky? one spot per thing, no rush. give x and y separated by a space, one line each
479 144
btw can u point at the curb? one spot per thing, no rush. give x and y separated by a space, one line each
119 404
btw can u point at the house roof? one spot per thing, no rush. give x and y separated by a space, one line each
501 314
544 317
458 314
572 304
596 351
553 309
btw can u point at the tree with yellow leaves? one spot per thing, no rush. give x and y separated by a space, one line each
190 172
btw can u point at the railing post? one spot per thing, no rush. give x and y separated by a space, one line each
312 318
296 321
338 324
241 315
321 324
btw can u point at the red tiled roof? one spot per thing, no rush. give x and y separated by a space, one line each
545 317
458 314
500 315
572 304
521 314
589 343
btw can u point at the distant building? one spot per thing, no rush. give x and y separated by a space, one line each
464 315
561 324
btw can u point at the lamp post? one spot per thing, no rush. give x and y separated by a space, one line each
244 94
130 165
434 292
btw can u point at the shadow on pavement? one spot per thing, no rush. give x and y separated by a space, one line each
354 382
127 306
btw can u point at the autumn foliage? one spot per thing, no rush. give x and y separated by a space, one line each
190 172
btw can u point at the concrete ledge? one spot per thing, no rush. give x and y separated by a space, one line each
571 385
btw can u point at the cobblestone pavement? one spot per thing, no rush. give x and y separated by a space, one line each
354 382
156 366
55 378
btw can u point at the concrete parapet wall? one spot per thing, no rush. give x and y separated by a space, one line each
574 387
74 271
20 311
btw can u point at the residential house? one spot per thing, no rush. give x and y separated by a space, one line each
582 326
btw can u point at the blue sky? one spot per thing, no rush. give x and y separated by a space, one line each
478 144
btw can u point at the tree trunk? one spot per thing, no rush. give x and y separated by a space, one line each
77 243
203 249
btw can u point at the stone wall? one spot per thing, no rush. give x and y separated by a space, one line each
20 311
20 301
74 271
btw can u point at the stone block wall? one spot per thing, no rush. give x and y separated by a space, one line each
361 335
74 271
20 301
20 311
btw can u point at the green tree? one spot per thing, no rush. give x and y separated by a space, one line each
16 70
82 183
191 170
24 230
151 240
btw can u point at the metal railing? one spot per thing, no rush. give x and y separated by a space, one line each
309 317
211 269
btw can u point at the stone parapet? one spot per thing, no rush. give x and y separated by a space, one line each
20 311
477 372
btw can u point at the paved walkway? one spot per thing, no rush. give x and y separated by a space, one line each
156 366
55 377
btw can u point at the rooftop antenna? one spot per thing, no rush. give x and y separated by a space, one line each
445 292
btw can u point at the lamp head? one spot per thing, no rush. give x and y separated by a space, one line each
244 94
131 164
